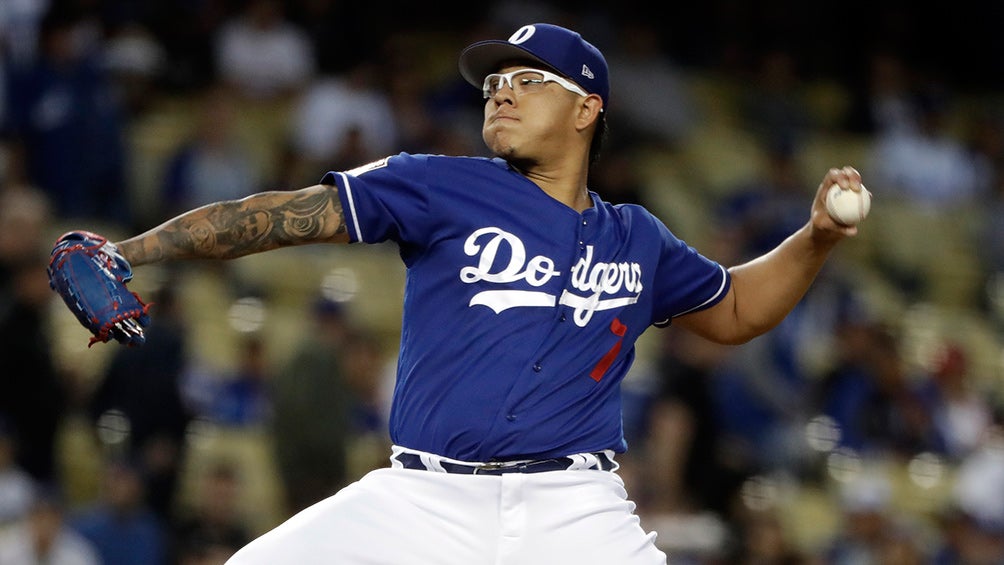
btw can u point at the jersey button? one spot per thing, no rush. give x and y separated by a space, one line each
511 417
537 367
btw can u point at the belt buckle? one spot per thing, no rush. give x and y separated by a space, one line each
490 466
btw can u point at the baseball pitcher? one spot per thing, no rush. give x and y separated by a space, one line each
524 296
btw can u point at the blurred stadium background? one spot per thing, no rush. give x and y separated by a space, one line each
868 424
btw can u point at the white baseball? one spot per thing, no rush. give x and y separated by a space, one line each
848 207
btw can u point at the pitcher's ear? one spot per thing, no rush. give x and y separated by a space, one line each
590 110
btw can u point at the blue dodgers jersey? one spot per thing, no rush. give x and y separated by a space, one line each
520 314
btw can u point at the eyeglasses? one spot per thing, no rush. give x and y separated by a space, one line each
525 81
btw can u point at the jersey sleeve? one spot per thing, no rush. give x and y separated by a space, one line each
385 200
685 280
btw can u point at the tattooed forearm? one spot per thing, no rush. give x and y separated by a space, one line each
226 230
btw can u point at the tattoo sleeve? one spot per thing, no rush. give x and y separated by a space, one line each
235 228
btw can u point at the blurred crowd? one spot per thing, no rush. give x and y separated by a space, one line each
866 428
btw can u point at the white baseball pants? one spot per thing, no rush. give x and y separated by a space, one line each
415 517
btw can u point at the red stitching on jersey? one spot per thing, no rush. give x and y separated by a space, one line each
618 329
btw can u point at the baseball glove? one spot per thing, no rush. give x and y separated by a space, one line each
90 274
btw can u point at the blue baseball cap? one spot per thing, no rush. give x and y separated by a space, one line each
555 47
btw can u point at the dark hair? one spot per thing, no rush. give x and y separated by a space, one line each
598 138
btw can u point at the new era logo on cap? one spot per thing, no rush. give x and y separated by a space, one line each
555 47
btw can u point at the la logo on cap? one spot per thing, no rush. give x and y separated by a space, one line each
522 34
557 48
